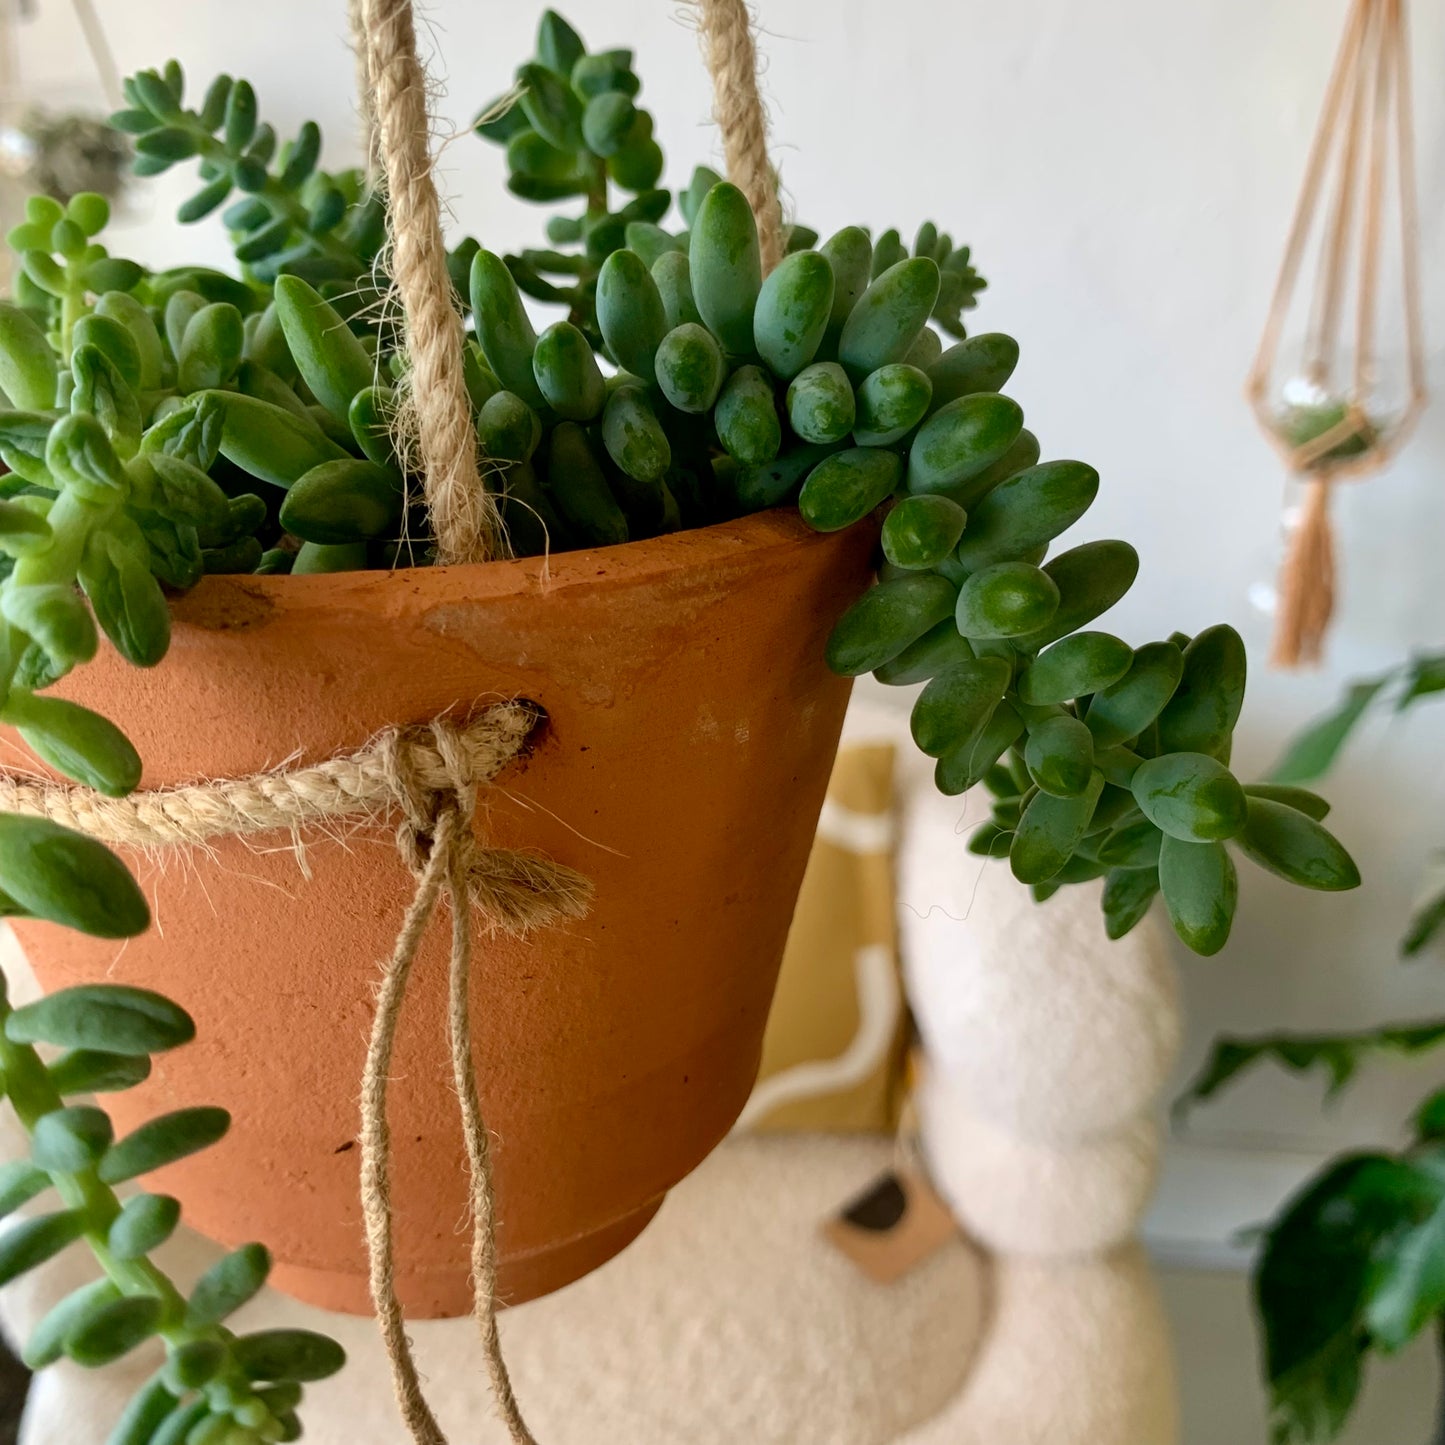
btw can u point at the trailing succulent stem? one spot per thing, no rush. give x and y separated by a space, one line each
571 127
159 426
176 424
290 215
215 1387
824 385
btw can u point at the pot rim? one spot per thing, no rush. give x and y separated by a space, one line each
627 562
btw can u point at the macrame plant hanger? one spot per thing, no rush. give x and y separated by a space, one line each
1333 417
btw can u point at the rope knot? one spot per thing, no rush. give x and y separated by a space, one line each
422 799
434 770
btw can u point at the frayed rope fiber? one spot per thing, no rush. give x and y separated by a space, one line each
430 775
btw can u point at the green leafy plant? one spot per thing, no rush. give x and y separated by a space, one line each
1355 1262
1314 752
162 430
572 127
165 425
290 216
737 393
214 1385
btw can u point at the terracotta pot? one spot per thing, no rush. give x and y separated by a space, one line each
692 727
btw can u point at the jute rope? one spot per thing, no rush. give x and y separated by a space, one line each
464 514
437 837
727 31
365 92
430 776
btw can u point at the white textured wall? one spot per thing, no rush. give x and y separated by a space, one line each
1125 171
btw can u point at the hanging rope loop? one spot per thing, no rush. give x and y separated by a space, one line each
436 838
431 776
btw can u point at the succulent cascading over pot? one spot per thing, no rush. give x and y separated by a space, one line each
162 425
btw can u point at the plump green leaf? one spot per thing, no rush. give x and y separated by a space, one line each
33 1241
47 1340
992 840
279 1355
956 704
1201 890
227 1285
332 361
1049 831
178 1427
145 1222
965 766
191 1365
1009 599
1300 799
921 531
162 1141
113 1017
886 619
1190 796
551 106
69 1140
1074 667
1060 755
1134 845
559 46
20 1182
78 742
1091 578
938 648
1292 844
97 1071
1128 892
114 1329
1123 709
1201 715
68 878
344 501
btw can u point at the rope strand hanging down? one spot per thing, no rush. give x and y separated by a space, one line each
513 892
430 775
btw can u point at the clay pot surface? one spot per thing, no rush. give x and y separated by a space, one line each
692 726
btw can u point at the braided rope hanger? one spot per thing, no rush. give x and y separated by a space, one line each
467 526
429 775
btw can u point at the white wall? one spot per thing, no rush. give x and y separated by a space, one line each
1125 171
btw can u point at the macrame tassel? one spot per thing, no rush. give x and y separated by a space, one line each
1306 583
